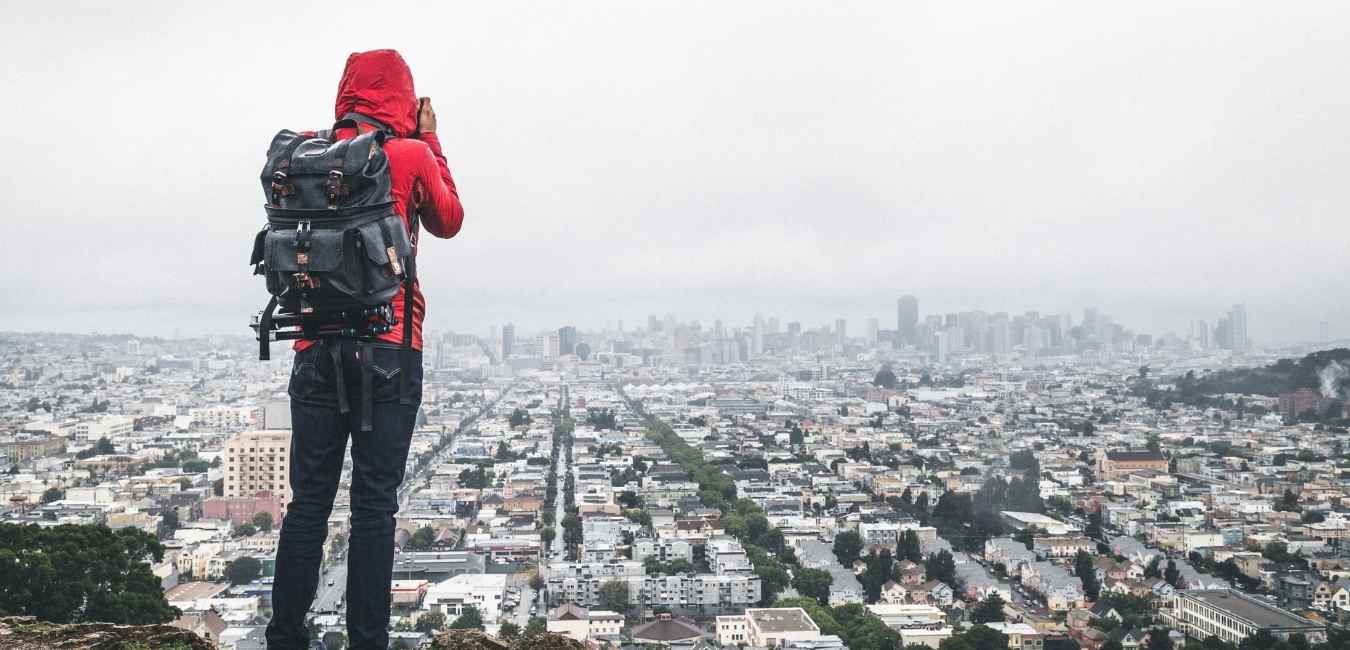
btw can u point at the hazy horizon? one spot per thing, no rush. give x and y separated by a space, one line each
712 160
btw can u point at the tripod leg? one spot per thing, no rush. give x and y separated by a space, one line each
265 330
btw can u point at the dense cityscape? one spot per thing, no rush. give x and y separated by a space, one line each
960 481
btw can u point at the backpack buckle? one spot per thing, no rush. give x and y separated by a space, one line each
335 188
280 187
305 280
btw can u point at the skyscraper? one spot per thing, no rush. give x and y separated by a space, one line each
508 339
840 333
1237 324
1200 335
873 331
906 320
567 340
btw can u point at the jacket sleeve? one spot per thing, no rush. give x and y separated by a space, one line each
442 214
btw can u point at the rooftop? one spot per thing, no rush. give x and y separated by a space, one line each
785 619
1247 608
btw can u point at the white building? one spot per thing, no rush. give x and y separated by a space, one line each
483 591
1233 616
106 426
767 628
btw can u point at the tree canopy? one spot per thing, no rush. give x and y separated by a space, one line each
813 583
72 574
243 570
469 619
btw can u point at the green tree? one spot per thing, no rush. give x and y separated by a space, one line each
862 630
244 530
535 628
509 631
773 576
243 570
1172 575
885 378
813 583
909 547
983 637
1158 639
941 566
847 547
263 521
476 478
422 539
989 610
429 622
614 596
168 523
1154 568
546 535
536 582
76 573
519 417
53 494
1094 525
1086 570
821 614
469 619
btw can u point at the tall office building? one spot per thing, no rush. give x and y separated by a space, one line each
257 461
1237 324
794 334
840 333
873 331
757 337
942 345
508 339
1200 335
906 320
567 340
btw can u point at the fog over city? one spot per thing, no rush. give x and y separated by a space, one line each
1161 161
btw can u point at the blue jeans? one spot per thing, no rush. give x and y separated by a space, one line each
318 446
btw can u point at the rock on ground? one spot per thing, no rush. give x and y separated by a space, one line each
475 640
28 633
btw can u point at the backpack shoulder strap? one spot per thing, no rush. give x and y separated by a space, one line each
409 278
370 121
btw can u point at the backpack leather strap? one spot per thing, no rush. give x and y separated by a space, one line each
404 393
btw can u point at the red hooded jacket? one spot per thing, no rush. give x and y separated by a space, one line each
379 85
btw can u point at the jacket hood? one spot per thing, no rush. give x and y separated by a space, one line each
378 84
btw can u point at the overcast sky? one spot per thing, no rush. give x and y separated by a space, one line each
809 160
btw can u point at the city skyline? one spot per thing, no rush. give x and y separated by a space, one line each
1317 331
1151 169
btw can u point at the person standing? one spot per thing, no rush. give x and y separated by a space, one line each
376 90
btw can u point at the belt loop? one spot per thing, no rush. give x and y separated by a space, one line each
367 403
335 353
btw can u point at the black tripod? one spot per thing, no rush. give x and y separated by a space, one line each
361 323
